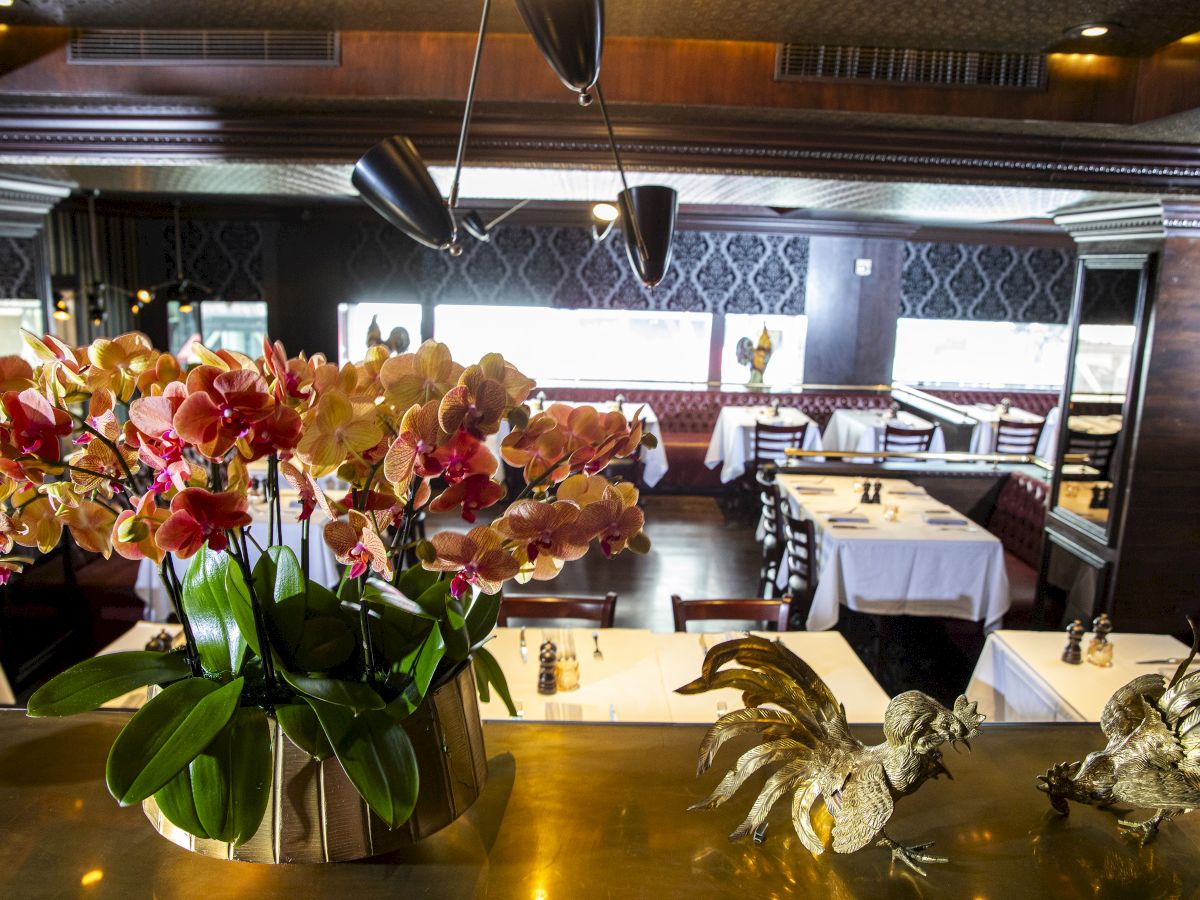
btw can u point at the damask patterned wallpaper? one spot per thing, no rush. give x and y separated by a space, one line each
18 269
226 256
986 282
563 267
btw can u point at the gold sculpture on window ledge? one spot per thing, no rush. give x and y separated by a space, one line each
808 741
756 356
1152 760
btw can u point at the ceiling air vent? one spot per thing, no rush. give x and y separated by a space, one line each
153 47
945 68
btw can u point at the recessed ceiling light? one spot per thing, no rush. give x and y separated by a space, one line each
605 212
1093 31
6 2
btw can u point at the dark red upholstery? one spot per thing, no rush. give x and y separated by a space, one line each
1019 517
1037 402
687 419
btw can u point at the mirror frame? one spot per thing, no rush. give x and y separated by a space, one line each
1107 532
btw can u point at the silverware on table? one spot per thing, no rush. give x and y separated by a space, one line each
596 654
524 646
855 527
1173 661
703 645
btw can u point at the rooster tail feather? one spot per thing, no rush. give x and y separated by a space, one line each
805 796
777 785
741 721
749 763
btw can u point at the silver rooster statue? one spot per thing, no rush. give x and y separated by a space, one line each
809 742
1152 760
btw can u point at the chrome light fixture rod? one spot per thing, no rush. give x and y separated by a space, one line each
612 143
470 105
508 212
178 245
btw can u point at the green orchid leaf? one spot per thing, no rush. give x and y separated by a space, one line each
238 597
418 669
325 643
277 575
487 668
300 724
320 600
433 599
385 599
178 806
93 682
231 778
285 625
220 630
454 631
417 580
166 734
377 756
481 617
353 695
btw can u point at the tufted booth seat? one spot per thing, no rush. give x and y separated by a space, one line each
1037 402
1019 520
687 419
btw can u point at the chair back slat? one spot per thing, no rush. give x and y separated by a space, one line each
907 440
1098 448
770 441
773 612
601 610
1016 436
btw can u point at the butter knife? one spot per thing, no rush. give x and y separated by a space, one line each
1173 661
524 647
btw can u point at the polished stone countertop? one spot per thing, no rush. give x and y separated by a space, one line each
580 811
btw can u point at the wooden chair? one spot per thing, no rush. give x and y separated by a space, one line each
772 540
1098 448
772 612
770 442
800 556
1016 436
907 440
601 610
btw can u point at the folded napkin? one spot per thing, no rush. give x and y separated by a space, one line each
812 489
846 518
944 519
907 492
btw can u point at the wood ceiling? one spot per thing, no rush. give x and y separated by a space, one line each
1138 26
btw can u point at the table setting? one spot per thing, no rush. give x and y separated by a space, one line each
885 546
863 430
1104 424
731 445
988 416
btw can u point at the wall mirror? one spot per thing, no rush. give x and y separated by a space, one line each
1097 404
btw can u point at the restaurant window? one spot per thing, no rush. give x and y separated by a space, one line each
14 316
787 333
238 325
1000 354
1102 359
581 344
354 324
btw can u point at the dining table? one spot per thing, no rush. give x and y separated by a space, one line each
654 459
987 417
1088 424
908 554
1021 677
633 679
863 430
732 441
323 566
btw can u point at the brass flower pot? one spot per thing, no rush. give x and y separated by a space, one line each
315 815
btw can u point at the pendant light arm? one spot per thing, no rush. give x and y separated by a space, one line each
469 108
508 212
93 240
612 143
178 246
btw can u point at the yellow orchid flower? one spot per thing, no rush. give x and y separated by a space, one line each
334 430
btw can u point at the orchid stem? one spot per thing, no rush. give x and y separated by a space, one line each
260 622
304 549
365 623
170 581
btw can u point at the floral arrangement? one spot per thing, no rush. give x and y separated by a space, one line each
159 465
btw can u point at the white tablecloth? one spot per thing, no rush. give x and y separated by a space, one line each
905 567
863 429
733 436
6 693
983 437
1020 676
1048 443
654 459
323 567
636 680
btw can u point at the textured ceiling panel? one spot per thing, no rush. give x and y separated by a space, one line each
928 203
1027 25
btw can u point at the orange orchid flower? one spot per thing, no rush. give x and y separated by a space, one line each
91 525
473 493
34 426
614 521
355 543
415 449
151 428
155 378
418 378
337 429
221 408
8 528
544 534
117 363
15 374
477 558
36 522
135 529
540 449
476 404
198 517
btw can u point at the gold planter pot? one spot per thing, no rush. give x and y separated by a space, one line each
314 814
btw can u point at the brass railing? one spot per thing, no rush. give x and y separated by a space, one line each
927 456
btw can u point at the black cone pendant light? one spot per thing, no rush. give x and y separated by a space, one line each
570 34
394 181
648 225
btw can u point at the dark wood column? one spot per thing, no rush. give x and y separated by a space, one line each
852 317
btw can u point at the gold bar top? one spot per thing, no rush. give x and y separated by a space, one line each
580 811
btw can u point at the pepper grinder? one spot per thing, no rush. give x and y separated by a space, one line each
875 496
1099 650
547 660
1072 654
866 494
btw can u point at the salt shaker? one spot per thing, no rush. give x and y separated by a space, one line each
547 659
1072 654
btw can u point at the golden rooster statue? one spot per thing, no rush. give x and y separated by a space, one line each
1152 760
809 742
